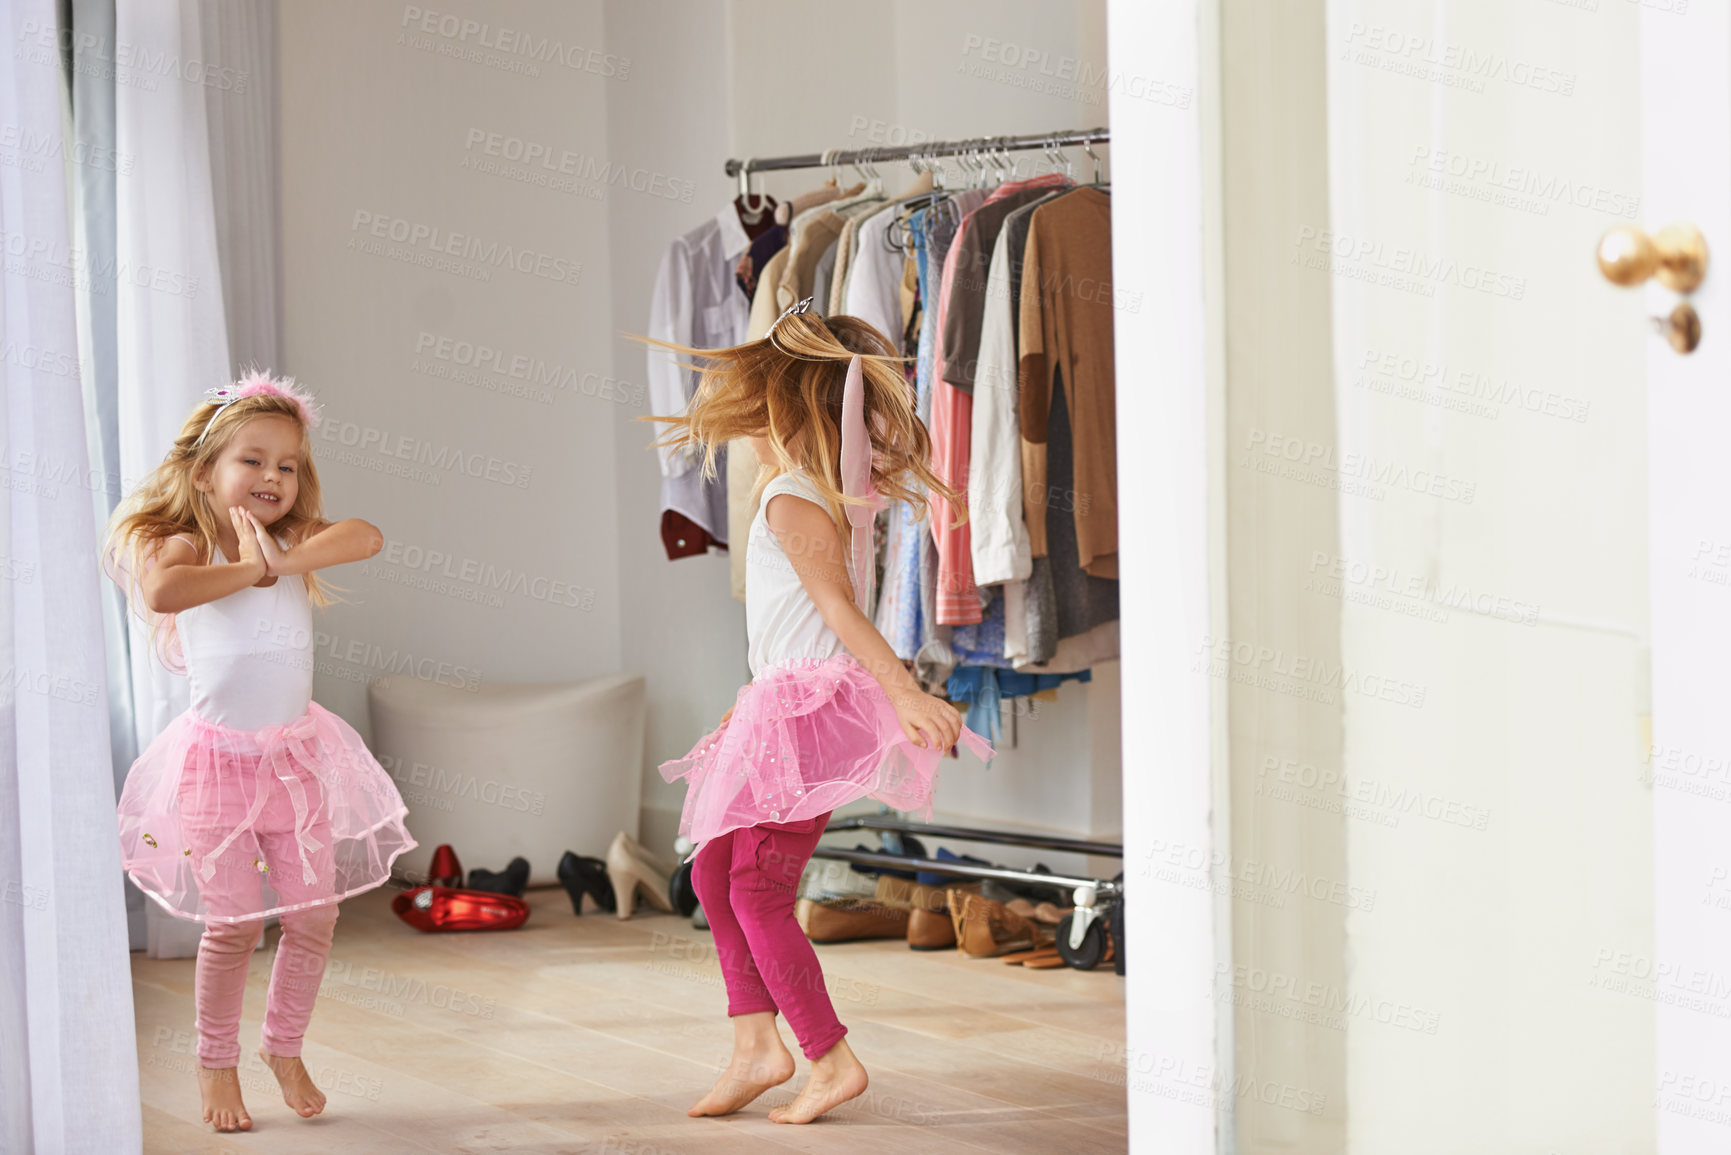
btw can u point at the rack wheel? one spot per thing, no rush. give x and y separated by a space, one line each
1093 949
680 892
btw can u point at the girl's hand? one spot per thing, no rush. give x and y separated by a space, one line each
927 721
267 546
247 539
724 718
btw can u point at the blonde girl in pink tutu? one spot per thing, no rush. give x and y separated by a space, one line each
256 801
831 715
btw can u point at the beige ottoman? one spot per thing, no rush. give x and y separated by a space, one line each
502 771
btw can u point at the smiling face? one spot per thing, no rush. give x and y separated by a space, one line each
258 470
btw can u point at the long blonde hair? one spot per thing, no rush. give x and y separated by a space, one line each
168 503
787 388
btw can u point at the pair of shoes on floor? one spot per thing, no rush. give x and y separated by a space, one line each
900 909
581 875
446 871
852 919
635 872
987 929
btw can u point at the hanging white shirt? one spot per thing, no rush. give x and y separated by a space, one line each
874 283
999 544
696 302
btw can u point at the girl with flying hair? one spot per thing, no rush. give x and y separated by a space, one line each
831 715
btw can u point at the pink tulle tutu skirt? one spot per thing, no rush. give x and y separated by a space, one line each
227 826
806 737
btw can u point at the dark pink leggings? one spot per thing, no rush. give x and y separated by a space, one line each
748 881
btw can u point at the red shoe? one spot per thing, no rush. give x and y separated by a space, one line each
445 869
432 908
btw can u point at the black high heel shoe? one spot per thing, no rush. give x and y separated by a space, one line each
512 880
580 875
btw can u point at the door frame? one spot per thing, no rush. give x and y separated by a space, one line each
1169 351
1686 168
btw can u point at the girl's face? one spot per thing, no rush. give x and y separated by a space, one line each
258 470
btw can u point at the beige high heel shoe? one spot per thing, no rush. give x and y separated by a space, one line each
633 870
643 854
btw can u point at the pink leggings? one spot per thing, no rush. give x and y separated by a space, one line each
748 881
235 890
220 983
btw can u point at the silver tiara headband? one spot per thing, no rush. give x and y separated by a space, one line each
222 399
797 307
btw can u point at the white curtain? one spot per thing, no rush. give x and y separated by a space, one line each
93 191
246 188
171 340
68 1064
196 206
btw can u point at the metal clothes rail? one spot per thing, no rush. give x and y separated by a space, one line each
933 148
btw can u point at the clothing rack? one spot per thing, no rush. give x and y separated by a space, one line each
1098 902
977 144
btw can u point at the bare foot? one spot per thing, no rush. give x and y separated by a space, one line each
835 1078
759 1062
297 1086
219 1089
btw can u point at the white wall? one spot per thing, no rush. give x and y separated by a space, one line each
678 624
380 117
399 111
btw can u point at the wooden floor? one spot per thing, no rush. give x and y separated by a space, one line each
593 1034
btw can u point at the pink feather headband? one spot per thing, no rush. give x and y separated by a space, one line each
253 384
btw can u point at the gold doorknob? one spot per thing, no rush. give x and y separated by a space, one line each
1682 328
1676 254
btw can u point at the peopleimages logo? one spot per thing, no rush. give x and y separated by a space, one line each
1544 187
541 160
456 354
405 448
514 42
430 240
484 575
1355 256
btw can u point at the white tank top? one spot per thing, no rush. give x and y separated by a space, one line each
249 656
781 621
